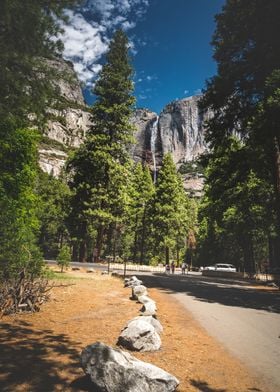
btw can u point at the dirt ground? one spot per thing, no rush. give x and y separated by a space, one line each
40 352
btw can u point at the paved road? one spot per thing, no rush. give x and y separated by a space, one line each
244 319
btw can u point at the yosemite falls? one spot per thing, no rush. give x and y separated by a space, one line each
178 129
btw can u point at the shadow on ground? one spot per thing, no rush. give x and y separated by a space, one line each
38 360
204 386
219 291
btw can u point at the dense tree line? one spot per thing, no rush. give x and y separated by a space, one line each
240 214
26 40
103 204
115 209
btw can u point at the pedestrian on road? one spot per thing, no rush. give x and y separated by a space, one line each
173 267
183 267
167 269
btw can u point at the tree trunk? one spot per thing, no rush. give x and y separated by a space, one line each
134 257
83 245
99 242
75 252
166 255
275 262
143 235
249 260
178 254
82 251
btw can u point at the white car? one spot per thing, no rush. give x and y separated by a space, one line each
220 267
225 267
209 268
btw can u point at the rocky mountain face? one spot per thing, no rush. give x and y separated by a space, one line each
67 124
178 130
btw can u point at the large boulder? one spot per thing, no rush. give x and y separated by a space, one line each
139 291
151 320
117 371
140 335
149 306
132 282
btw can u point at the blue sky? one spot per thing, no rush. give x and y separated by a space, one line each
170 39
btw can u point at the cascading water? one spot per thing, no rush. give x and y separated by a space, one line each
153 146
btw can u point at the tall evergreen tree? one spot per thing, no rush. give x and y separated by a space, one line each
26 40
171 214
101 166
235 210
140 195
248 54
27 29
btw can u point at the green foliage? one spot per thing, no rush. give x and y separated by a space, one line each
140 194
241 210
27 31
170 211
18 203
54 195
64 257
234 215
26 41
193 167
101 166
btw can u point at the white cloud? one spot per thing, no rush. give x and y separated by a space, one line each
84 45
186 92
87 34
151 77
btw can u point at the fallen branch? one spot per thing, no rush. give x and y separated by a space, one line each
23 293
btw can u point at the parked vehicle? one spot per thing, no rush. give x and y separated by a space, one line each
220 267
225 267
209 268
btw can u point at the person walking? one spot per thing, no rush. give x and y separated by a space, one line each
167 269
172 267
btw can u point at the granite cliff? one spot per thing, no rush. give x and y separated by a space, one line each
178 129
68 121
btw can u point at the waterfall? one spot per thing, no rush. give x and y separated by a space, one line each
153 146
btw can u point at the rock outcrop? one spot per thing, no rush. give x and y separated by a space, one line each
179 130
68 122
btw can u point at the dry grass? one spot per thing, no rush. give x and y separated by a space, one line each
40 352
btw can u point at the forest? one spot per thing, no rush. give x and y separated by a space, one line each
104 204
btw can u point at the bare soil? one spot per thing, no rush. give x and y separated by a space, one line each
40 352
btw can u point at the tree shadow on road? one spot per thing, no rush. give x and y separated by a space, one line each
36 360
220 291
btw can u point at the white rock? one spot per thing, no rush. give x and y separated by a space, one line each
117 371
151 320
150 309
139 291
140 335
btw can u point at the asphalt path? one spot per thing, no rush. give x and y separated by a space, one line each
245 319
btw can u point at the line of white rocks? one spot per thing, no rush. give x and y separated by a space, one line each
114 370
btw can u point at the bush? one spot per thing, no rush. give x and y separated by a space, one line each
64 257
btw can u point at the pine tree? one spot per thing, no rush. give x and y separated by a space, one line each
101 166
247 52
26 40
235 208
171 214
140 195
